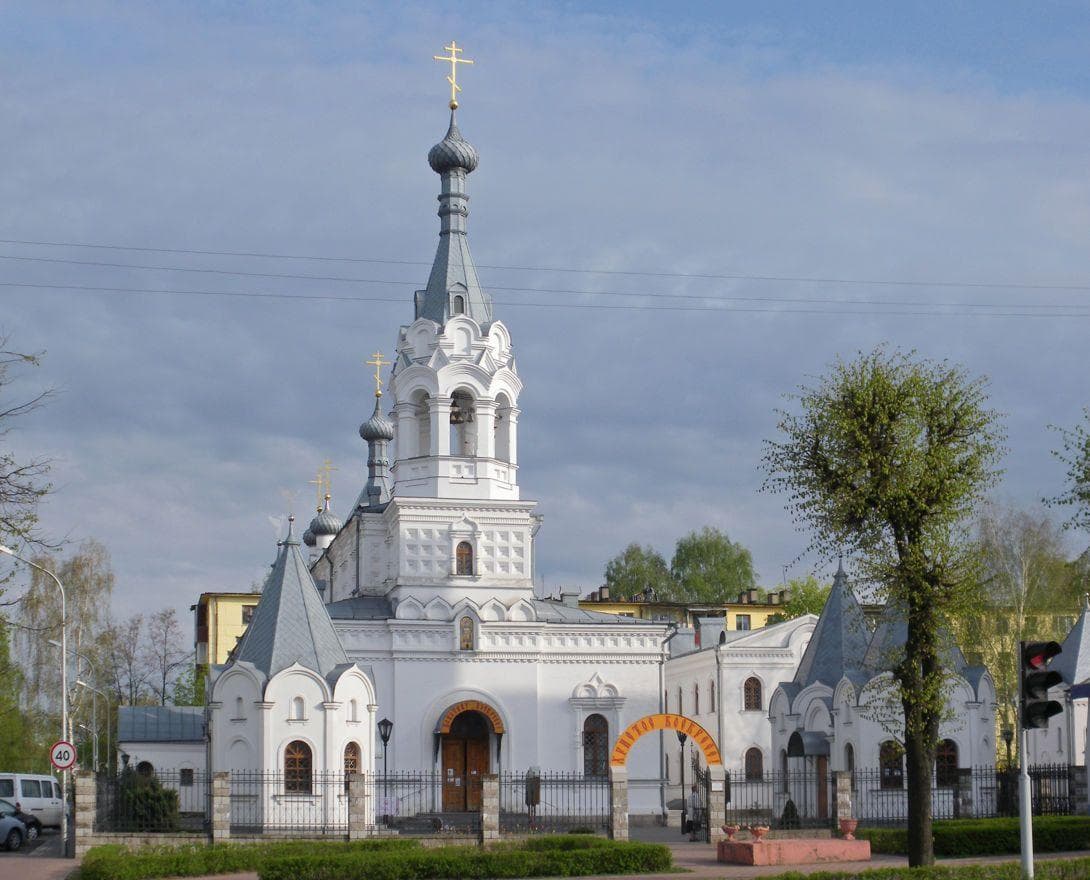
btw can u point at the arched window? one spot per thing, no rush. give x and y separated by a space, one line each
463 434
144 768
696 699
891 764
849 762
751 695
755 765
422 411
351 759
503 428
465 634
595 746
458 305
297 768
463 556
946 763
298 709
353 710
712 692
239 707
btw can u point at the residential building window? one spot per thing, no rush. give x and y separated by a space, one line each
595 746
751 695
946 763
297 768
465 634
755 765
464 558
891 764
742 621
185 777
247 614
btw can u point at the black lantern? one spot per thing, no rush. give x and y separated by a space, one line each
681 737
385 728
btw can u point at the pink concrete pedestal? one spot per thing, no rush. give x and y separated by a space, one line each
792 851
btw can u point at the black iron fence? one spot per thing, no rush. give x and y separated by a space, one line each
796 799
154 801
554 803
289 804
427 802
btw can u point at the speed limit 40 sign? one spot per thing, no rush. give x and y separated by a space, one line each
63 755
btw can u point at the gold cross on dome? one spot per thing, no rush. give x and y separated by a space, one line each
319 481
378 363
452 78
327 474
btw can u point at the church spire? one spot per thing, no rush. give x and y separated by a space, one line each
453 287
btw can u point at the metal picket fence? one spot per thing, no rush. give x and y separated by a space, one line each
297 805
553 802
153 801
426 803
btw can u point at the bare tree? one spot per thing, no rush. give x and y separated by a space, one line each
121 647
166 655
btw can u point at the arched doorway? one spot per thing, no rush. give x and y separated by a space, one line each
465 755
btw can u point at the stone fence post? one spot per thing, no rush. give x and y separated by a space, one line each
717 802
86 804
360 818
618 801
1079 803
221 806
490 808
842 783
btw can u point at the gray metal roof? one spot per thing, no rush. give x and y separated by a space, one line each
886 646
840 638
160 724
549 611
361 608
1074 662
453 271
290 623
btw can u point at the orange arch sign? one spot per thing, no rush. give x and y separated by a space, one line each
470 706
664 721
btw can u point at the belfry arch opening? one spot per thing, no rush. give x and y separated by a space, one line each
463 428
503 427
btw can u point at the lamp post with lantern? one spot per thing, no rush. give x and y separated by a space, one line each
385 728
681 737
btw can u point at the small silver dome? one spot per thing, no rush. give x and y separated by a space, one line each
378 427
309 539
324 524
453 151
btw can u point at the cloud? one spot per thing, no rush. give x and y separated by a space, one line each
183 419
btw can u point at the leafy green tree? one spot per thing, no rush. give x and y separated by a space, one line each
190 687
886 457
1075 455
19 749
634 570
710 567
805 595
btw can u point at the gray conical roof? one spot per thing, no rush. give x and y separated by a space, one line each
290 623
887 645
1074 662
840 638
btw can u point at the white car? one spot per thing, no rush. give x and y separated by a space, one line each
37 794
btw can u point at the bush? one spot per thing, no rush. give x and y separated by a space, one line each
115 862
544 857
143 804
1054 869
981 837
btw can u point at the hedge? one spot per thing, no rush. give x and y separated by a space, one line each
982 837
545 857
1053 869
115 862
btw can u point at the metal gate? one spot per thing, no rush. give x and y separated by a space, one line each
702 820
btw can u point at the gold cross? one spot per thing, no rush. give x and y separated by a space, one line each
319 481
378 363
326 471
454 60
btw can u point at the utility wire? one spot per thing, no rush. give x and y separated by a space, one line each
549 290
799 279
932 312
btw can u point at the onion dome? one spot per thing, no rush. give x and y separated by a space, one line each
378 427
453 151
325 524
308 538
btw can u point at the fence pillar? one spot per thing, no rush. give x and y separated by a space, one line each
717 802
490 808
1079 795
360 822
842 785
221 806
618 802
86 805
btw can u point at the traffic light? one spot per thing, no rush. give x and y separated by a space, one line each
1036 708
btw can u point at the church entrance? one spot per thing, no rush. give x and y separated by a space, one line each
465 755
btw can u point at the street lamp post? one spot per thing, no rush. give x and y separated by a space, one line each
385 728
681 737
64 685
94 715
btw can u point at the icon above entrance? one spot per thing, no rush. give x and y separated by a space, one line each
664 721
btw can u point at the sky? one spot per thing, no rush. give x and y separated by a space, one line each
683 213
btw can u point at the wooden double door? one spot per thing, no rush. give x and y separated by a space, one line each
465 760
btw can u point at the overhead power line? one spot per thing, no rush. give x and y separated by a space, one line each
925 310
794 279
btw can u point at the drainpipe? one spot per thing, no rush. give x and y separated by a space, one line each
357 554
662 708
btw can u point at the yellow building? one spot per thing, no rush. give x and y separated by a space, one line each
221 619
749 612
